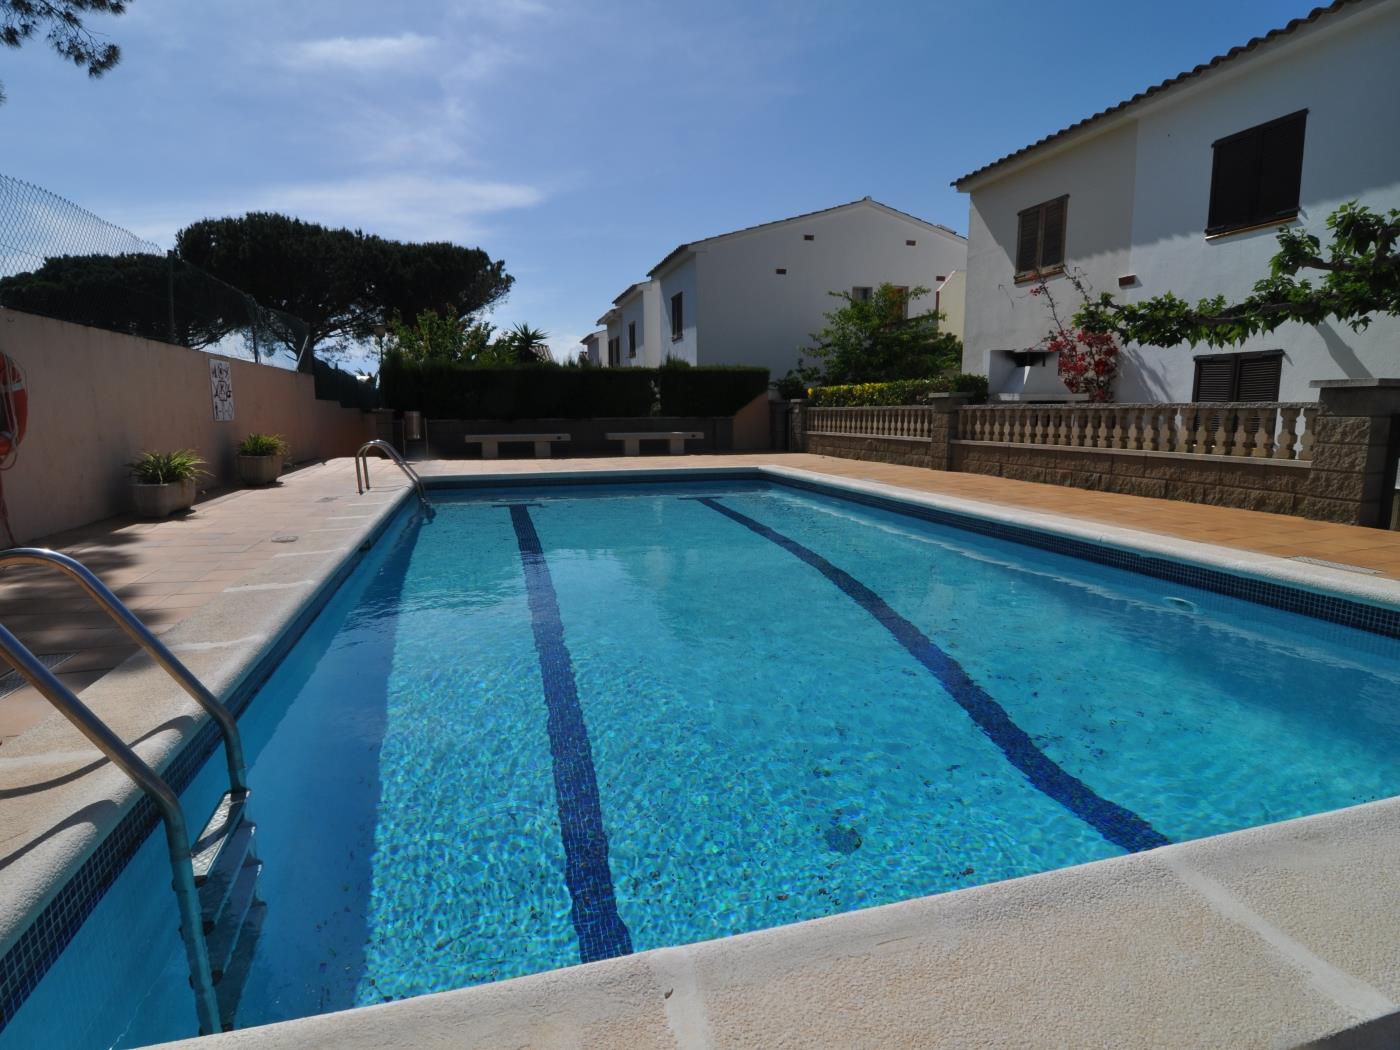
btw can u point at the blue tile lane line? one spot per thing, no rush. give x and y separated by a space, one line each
1120 826
601 932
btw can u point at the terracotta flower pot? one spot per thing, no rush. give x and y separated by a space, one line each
159 501
259 470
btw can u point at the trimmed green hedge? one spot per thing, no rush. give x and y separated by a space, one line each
712 391
336 384
900 391
447 391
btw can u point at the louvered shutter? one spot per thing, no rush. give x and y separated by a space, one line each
1052 237
1215 379
1027 240
1259 378
1234 183
1280 168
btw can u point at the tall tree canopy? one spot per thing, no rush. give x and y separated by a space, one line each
61 22
1359 277
342 283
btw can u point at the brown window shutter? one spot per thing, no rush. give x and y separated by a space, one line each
1259 378
1027 240
1281 168
1052 237
1234 183
1215 378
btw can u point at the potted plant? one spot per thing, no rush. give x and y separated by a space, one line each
164 482
260 458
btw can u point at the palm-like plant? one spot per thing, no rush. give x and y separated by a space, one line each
527 345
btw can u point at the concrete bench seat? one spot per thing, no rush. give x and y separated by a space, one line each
491 443
675 439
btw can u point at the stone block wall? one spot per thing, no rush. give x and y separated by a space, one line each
1277 488
881 450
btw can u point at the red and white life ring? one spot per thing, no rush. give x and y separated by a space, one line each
14 406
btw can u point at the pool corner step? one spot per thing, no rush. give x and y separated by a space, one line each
226 932
218 834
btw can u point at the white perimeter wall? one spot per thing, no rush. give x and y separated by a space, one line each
750 315
1139 196
97 399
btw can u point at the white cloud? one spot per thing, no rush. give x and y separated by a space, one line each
403 206
361 52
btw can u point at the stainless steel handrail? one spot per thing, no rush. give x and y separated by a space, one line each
141 635
390 452
177 838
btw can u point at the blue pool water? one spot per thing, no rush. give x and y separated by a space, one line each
561 724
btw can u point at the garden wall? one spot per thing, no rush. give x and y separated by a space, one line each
98 398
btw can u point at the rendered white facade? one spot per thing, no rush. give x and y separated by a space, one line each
1139 182
755 296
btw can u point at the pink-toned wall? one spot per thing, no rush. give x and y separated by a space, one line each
97 399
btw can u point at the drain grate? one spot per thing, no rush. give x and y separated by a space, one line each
1337 565
11 680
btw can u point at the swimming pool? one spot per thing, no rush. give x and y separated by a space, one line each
559 724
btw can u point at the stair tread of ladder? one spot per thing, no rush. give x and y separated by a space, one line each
225 937
230 985
227 816
215 889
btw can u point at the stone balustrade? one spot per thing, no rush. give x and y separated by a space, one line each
899 423
1260 431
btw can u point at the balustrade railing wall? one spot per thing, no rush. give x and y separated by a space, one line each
1271 431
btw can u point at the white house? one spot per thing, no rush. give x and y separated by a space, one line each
1182 188
755 296
595 346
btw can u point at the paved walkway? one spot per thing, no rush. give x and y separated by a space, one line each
165 570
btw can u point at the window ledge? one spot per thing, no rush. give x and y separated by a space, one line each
1272 224
677 338
1036 275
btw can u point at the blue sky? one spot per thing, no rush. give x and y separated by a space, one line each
578 141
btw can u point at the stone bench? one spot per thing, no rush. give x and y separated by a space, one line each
491 443
675 439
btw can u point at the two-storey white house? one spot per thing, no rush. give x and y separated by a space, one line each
1182 189
755 296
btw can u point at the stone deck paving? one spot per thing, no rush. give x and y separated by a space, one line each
167 569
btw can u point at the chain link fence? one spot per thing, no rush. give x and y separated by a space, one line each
62 261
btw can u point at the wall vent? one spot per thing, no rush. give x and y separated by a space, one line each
781 270
911 243
809 237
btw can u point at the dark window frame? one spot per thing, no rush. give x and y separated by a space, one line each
1040 265
677 317
631 338
1226 182
1237 361
862 293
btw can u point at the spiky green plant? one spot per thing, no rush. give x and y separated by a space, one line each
263 445
162 468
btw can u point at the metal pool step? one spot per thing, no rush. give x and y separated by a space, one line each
226 873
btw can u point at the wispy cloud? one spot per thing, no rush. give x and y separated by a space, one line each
367 53
408 206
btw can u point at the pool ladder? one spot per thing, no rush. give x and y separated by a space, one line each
362 480
215 878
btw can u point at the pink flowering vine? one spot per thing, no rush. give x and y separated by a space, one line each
1088 361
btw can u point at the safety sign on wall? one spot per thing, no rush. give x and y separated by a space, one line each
221 385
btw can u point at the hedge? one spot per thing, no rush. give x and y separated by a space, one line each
710 391
448 391
900 391
336 384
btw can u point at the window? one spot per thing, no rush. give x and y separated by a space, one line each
1040 238
614 351
903 308
862 293
1238 377
631 338
1256 175
677 317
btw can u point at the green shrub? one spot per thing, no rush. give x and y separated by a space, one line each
263 445
709 391
450 391
161 468
900 391
336 384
